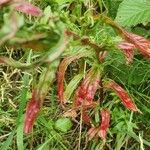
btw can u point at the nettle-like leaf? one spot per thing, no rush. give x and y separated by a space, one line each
133 12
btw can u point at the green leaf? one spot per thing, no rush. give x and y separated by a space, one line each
63 124
23 99
133 12
72 86
7 143
60 2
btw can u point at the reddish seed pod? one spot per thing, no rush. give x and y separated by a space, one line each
122 94
32 110
105 115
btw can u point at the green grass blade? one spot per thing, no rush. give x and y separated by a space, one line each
7 143
23 99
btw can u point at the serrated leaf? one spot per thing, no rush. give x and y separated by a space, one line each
63 124
133 12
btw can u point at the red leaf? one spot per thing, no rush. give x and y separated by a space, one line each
122 94
105 115
61 75
142 44
127 50
29 9
85 117
32 110
102 130
85 93
92 132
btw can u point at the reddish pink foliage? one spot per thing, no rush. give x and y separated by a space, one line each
102 56
102 130
85 117
93 132
142 44
61 75
105 115
60 89
127 50
122 94
29 9
3 1
85 93
32 110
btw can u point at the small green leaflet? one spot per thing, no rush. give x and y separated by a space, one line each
63 124
72 86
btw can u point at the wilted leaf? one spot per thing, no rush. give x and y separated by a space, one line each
122 94
142 44
127 50
61 74
85 92
32 110
29 9
105 115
